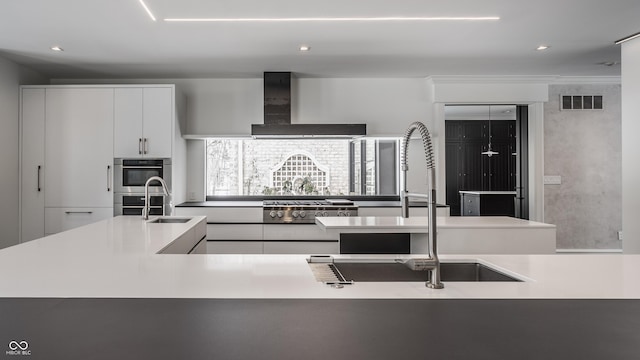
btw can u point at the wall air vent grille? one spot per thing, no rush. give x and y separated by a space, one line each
581 102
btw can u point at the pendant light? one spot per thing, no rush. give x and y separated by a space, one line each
490 152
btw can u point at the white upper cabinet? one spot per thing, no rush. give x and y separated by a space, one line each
128 123
79 147
143 122
157 121
32 168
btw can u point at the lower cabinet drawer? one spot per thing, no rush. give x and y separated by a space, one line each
297 232
234 247
61 219
234 231
301 247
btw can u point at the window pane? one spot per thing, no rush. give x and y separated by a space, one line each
293 167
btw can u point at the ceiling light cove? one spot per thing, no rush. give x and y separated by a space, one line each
56 48
146 8
543 47
625 39
334 19
304 48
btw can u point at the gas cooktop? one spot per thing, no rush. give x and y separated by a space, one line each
305 211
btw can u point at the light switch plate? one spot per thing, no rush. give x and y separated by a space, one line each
552 180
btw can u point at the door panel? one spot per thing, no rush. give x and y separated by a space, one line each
79 147
128 123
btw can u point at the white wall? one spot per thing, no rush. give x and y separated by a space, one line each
630 148
229 106
387 106
11 77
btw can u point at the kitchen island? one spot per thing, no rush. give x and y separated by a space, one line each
104 291
457 235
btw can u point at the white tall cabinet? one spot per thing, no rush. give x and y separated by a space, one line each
79 147
78 157
32 159
67 158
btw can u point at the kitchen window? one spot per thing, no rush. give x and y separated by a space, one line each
302 167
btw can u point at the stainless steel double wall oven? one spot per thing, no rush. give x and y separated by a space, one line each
130 176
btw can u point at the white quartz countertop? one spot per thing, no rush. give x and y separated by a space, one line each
419 224
118 258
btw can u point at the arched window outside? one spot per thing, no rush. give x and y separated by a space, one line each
300 174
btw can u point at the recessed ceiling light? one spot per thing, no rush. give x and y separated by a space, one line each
327 19
57 48
305 48
542 47
146 8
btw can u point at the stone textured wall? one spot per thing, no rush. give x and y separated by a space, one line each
583 147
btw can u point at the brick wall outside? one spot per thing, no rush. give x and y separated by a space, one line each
260 157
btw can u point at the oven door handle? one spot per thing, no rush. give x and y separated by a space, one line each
139 146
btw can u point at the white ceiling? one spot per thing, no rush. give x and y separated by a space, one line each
116 38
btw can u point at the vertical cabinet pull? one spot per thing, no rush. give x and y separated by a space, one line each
108 177
140 146
145 146
39 168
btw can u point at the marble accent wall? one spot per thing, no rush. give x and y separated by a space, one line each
584 148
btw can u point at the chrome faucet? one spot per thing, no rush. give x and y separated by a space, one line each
432 263
165 188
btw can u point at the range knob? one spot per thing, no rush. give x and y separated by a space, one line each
347 213
325 213
340 213
303 213
318 213
295 213
280 213
272 213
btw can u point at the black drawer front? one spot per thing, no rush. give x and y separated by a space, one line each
138 200
375 243
138 211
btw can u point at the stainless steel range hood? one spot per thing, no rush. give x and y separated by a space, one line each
277 114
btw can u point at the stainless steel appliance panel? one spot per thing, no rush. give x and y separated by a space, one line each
303 211
130 175
132 204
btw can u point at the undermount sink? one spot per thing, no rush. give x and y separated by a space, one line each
450 271
169 220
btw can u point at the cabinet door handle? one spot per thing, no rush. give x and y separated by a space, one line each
108 177
145 146
139 146
78 212
39 168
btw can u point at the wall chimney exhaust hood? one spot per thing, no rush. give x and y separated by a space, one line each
277 114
